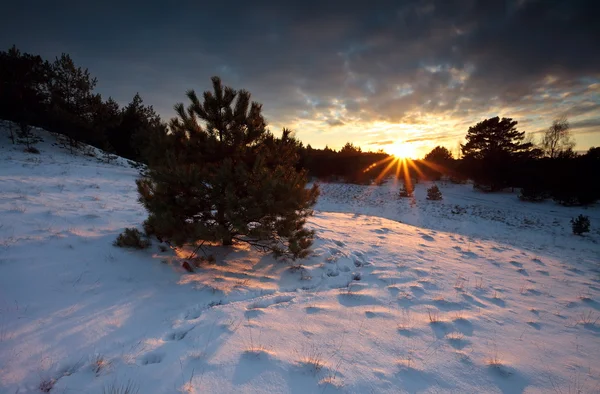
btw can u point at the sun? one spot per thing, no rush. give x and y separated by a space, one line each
401 150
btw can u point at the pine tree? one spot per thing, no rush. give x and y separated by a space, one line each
492 148
220 175
407 190
23 78
439 155
495 138
71 101
434 193
580 225
106 115
130 137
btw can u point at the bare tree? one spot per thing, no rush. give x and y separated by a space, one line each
558 139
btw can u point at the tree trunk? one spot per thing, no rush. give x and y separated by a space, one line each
227 240
12 135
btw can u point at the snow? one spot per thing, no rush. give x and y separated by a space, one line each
398 297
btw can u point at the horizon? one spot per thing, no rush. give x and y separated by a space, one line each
402 78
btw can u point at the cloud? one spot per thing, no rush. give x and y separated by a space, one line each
586 124
381 143
335 122
434 138
436 65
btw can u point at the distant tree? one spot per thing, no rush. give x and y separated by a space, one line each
130 137
439 155
569 192
106 116
593 153
495 138
492 149
407 190
23 96
568 153
71 101
220 175
350 149
434 193
558 140
437 162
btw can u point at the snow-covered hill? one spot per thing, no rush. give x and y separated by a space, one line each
500 298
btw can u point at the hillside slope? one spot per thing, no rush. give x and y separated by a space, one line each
465 303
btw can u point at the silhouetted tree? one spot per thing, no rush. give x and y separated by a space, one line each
130 137
580 224
222 176
439 155
106 116
407 190
23 96
494 138
593 153
492 149
438 162
434 193
557 140
568 153
71 101
350 149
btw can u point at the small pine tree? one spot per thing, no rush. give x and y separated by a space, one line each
220 175
580 225
434 193
132 238
407 190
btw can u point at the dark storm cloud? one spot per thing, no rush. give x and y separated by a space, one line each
334 62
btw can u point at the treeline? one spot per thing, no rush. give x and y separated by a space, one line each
59 96
496 156
349 164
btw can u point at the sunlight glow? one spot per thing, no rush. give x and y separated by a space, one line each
402 150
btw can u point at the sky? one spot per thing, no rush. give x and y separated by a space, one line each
402 76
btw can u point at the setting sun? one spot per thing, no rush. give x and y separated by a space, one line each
402 150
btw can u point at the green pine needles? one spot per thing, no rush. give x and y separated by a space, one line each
219 175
